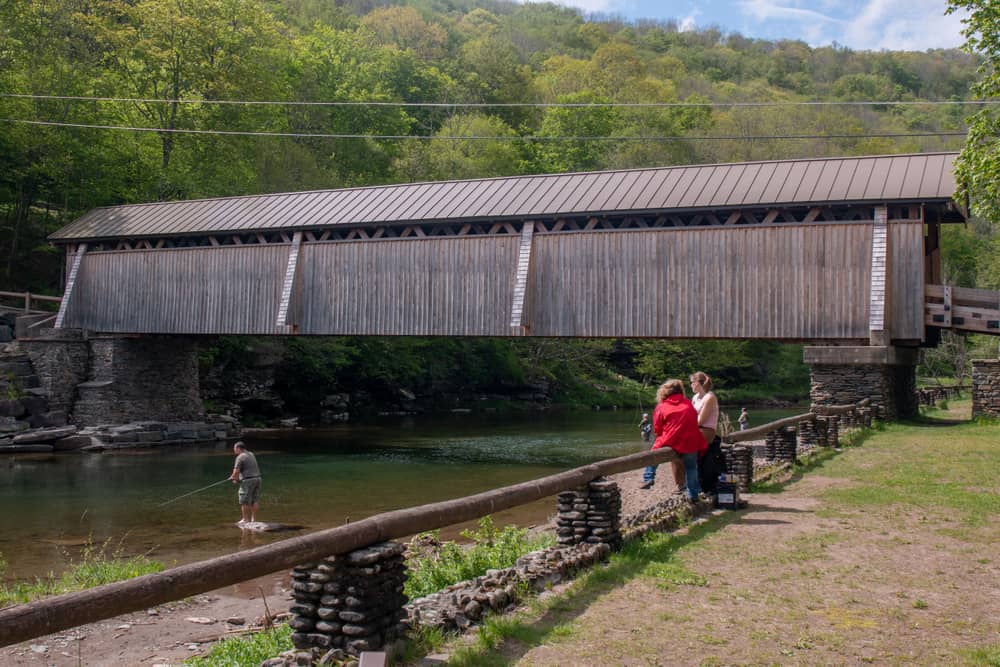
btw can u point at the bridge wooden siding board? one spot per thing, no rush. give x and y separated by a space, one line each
906 241
726 282
713 282
456 286
233 289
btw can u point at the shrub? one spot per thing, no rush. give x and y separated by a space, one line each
491 549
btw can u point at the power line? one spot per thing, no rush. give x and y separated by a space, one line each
502 105
321 135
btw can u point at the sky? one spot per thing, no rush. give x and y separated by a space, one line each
870 25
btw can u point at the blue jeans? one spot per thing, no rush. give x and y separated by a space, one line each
690 462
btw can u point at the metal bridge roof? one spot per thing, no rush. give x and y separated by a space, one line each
917 178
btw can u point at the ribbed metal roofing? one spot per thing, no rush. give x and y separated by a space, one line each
923 177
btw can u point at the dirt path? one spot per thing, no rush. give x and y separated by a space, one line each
798 579
163 637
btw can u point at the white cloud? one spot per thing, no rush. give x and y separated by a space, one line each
765 10
688 23
903 25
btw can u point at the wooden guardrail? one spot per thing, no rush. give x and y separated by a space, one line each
27 298
757 432
963 308
61 612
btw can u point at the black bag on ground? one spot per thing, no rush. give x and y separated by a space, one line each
710 466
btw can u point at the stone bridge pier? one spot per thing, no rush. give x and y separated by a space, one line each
100 379
885 375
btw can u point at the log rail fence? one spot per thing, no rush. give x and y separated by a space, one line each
28 300
320 558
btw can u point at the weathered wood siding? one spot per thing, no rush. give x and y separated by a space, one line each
807 281
184 290
427 287
906 280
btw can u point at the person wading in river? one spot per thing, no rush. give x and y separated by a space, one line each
247 473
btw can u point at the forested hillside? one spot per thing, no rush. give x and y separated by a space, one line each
228 97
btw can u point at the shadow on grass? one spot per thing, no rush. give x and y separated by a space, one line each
504 640
927 420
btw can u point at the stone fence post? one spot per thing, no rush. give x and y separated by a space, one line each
780 445
985 388
590 514
352 602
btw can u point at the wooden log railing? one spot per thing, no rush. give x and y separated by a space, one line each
26 298
757 432
61 612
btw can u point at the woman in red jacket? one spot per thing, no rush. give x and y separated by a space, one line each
675 423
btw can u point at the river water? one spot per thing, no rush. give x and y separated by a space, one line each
53 506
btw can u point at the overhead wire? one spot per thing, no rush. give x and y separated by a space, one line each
389 137
501 105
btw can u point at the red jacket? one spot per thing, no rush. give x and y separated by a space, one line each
675 423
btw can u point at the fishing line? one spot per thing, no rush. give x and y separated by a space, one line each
191 493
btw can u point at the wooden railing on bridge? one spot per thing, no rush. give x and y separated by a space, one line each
27 621
962 309
27 299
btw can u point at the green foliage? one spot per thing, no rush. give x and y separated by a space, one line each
246 651
490 549
95 566
978 169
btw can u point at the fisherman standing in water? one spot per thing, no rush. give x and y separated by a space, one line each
246 472
646 428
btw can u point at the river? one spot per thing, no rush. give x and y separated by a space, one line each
53 506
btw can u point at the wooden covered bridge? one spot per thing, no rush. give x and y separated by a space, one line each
826 250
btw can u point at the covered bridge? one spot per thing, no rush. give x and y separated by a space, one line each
810 250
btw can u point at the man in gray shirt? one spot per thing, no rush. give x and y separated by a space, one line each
246 472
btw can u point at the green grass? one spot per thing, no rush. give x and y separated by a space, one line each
247 651
952 468
491 549
657 556
988 656
95 566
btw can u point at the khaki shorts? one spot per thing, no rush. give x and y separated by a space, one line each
249 491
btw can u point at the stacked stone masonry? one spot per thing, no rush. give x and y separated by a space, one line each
986 388
891 388
101 380
780 445
590 514
352 602
811 434
931 395
460 605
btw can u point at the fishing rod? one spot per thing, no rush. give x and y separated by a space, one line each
194 492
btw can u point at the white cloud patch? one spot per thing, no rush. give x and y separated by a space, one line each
903 25
766 10
688 23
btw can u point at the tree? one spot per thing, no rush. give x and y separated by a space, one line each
444 159
182 50
978 168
